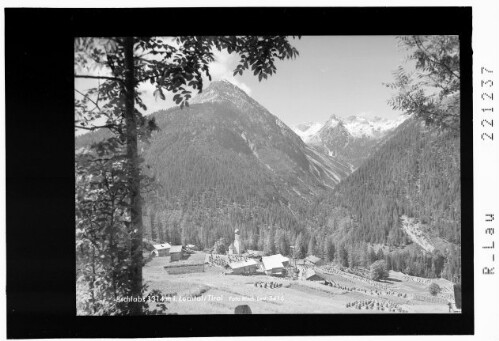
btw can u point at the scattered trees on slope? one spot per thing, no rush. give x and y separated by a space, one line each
434 289
378 270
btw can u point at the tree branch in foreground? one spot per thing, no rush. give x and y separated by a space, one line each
101 77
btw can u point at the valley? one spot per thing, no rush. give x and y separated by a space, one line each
330 186
348 191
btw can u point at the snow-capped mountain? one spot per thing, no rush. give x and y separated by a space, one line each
359 126
307 130
349 140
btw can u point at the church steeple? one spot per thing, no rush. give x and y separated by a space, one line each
238 246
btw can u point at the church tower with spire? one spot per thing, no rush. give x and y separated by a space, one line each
238 245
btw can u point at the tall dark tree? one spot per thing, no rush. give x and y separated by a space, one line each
353 257
378 270
380 254
342 255
152 225
372 255
161 231
281 242
299 249
311 245
269 247
329 250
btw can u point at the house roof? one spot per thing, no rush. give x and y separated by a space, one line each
310 273
255 252
313 259
242 264
176 248
283 259
273 262
162 246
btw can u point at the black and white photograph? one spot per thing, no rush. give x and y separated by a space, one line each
267 175
198 170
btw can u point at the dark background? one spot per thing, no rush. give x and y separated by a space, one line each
40 164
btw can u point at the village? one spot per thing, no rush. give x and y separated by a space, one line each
203 282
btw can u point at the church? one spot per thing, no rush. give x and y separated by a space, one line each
236 247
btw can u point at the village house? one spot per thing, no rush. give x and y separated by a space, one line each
284 260
191 247
161 250
311 275
314 260
273 265
255 253
175 253
244 267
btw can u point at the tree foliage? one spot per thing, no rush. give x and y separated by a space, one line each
281 242
220 246
434 289
300 247
329 250
432 91
378 270
102 235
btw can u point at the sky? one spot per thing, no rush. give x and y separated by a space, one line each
340 75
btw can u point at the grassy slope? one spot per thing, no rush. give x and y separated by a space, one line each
293 297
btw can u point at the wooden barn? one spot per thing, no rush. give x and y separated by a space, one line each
175 253
314 260
311 275
255 253
284 260
161 250
245 267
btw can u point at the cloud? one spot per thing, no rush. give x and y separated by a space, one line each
223 68
152 103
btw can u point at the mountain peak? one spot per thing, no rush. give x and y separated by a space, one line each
222 91
224 85
357 126
377 127
333 121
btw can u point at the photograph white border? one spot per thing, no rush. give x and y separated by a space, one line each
485 43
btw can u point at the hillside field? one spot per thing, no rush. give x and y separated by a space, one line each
213 292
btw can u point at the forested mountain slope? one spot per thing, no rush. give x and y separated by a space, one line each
415 174
226 161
